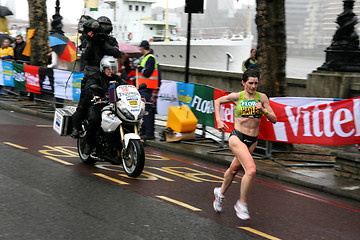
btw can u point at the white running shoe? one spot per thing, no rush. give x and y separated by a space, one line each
218 199
242 211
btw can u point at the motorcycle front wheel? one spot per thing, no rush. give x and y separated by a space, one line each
134 158
81 142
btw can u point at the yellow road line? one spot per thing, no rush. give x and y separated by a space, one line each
59 160
45 126
260 233
14 145
179 203
66 152
110 178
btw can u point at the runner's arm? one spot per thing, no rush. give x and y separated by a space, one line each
266 109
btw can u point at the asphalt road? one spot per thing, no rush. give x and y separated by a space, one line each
47 193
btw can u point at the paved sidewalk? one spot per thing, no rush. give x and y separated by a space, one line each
318 178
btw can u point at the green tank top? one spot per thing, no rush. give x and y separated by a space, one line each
246 108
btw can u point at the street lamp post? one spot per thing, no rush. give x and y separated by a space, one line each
167 39
56 23
56 27
343 54
191 7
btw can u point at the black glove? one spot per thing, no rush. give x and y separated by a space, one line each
96 100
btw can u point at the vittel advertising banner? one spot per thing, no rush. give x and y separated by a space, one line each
226 111
336 123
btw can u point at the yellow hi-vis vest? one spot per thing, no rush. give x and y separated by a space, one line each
152 81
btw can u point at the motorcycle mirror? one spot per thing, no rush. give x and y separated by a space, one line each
143 86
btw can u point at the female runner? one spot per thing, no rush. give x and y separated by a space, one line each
250 106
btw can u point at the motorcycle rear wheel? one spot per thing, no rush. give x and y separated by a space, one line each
134 158
85 158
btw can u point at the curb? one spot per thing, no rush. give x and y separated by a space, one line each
26 111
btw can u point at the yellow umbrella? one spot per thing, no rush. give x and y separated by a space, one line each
29 35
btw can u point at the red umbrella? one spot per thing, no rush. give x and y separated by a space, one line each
63 47
128 48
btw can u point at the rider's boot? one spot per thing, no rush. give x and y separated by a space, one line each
75 133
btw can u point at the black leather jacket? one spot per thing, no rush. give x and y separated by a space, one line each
103 81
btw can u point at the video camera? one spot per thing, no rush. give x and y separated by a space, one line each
100 27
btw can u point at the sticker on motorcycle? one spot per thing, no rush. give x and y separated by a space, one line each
133 102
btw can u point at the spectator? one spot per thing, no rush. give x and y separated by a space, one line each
58 63
128 73
18 50
55 61
6 52
250 63
149 74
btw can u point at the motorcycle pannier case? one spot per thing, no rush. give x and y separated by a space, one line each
181 119
62 120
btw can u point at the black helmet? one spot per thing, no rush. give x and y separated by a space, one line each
105 24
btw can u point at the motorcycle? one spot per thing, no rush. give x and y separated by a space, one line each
118 140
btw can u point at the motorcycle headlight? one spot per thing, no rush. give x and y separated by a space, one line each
127 114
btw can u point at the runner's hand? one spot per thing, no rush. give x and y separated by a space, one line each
222 127
259 106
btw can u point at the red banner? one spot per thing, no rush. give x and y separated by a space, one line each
32 78
336 123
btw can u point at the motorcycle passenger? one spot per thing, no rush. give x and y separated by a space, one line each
89 105
98 43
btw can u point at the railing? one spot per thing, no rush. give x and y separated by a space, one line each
216 141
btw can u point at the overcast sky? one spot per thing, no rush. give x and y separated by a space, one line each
72 9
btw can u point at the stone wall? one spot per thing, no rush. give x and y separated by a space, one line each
347 165
319 83
333 84
227 81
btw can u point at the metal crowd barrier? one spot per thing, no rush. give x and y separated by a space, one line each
265 150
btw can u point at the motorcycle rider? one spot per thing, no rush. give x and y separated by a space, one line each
90 99
98 43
